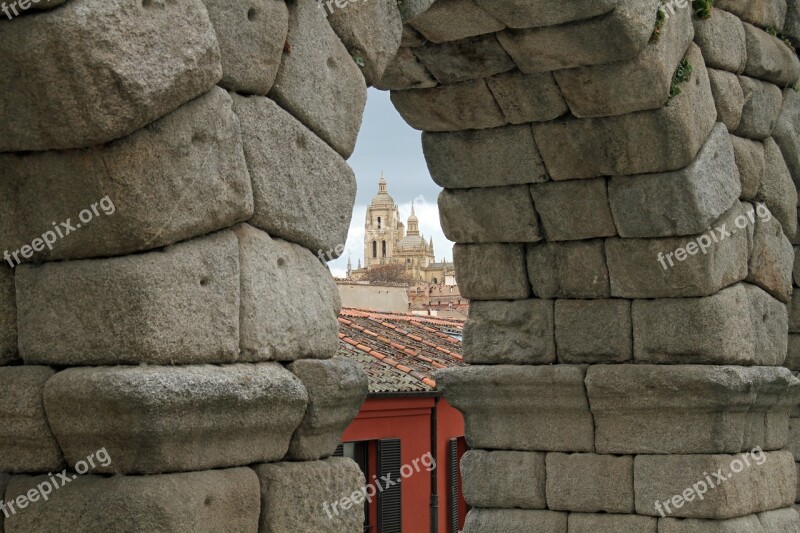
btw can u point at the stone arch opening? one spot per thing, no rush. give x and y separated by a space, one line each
620 348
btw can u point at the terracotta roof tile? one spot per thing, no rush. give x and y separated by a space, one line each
390 345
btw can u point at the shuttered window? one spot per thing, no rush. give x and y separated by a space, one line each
453 500
389 500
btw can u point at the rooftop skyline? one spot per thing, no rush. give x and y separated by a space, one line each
388 145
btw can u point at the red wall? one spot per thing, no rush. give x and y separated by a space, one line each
409 419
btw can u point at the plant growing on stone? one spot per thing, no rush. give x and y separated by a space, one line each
682 74
661 18
702 8
782 37
359 60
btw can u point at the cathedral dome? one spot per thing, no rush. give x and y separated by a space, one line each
382 199
411 243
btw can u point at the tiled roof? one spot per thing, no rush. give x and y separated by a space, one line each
399 352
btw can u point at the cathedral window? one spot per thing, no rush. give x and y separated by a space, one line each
379 222
374 248
383 248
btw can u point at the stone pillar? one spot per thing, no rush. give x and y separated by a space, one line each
618 178
171 175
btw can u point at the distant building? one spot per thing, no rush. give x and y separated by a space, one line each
387 242
387 298
404 416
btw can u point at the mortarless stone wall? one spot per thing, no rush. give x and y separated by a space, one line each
188 331
611 373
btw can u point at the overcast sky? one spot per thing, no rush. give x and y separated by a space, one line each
386 143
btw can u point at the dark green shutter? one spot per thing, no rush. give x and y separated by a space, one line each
452 494
389 500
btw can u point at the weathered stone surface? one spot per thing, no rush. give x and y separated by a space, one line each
506 262
483 158
451 20
528 408
370 31
592 523
519 332
796 266
794 438
791 27
251 35
336 389
794 313
301 496
491 214
304 195
728 97
787 132
410 37
515 521
26 442
299 318
635 143
467 59
92 71
740 325
593 331
681 266
405 71
567 489
527 98
667 409
765 13
769 318
769 58
8 316
596 91
44 5
793 352
4 479
568 270
182 176
218 500
751 163
722 39
164 419
177 305
795 239
755 488
777 188
772 257
574 210
517 479
318 82
762 105
783 520
683 202
461 106
527 14
616 36
412 8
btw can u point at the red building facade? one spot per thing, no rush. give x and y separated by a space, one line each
405 428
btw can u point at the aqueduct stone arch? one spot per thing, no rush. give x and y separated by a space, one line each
618 176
